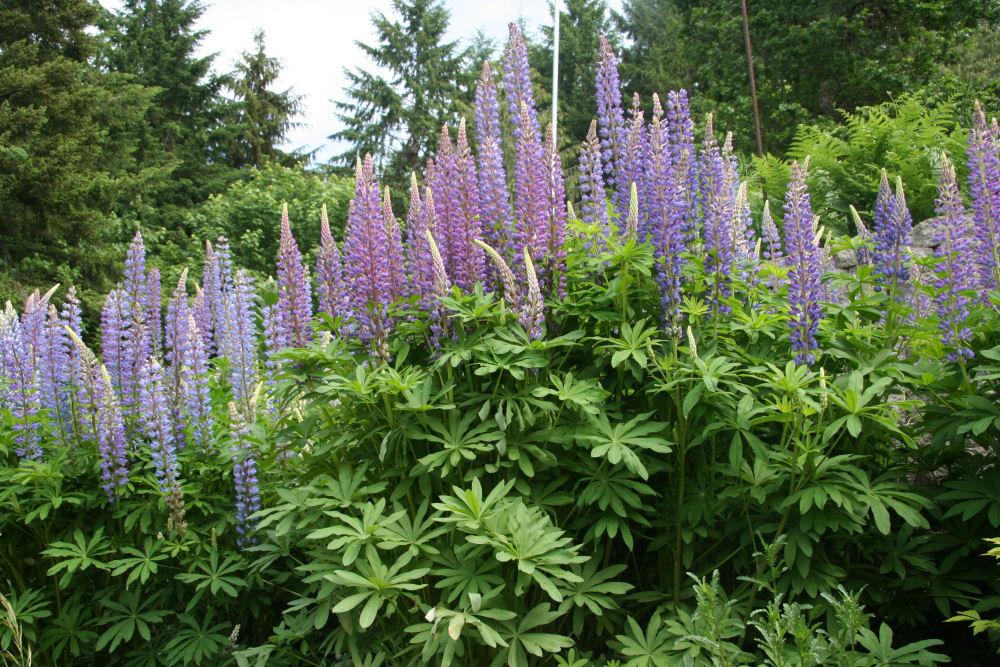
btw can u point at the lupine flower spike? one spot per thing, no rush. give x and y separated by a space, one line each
329 276
366 264
984 182
294 296
955 277
805 268
244 479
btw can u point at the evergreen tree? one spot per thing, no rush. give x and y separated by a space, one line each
155 41
397 118
262 116
70 133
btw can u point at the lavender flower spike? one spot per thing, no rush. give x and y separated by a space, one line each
806 265
955 277
22 393
893 225
592 194
294 297
366 263
244 479
111 440
155 421
239 342
984 182
394 251
329 277
494 200
610 117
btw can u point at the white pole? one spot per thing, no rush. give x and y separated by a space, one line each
555 67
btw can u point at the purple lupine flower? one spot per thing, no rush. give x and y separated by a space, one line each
984 182
177 351
420 220
111 441
394 251
553 260
955 276
494 200
594 208
239 341
893 225
207 296
456 196
530 192
22 389
532 316
154 419
664 220
804 287
864 252
197 404
113 327
294 297
329 279
153 314
517 85
134 285
770 235
54 374
719 188
610 117
366 263
275 340
79 387
244 479
33 323
633 157
681 132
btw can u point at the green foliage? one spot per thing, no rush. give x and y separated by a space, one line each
582 22
70 134
249 212
810 60
260 118
397 116
905 137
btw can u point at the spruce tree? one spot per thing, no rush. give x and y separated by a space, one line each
70 134
397 118
156 41
261 117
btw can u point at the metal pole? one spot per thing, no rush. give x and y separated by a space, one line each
555 67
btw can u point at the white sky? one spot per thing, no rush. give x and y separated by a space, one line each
314 39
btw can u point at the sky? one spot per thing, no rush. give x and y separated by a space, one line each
314 39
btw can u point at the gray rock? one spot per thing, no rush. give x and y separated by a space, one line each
923 232
845 259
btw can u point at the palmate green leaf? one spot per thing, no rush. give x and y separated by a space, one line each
79 555
587 395
646 648
617 443
140 565
594 594
517 633
68 632
466 570
197 641
216 576
377 583
353 533
132 615
882 654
